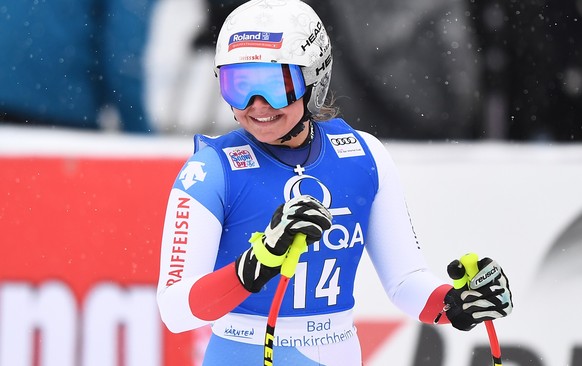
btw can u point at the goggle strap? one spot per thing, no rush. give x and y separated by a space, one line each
288 80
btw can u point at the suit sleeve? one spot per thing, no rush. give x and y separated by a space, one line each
190 293
394 249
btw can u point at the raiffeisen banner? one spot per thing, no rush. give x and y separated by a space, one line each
81 218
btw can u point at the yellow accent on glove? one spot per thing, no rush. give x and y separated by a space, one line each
263 255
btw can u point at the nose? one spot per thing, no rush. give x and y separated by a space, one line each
258 101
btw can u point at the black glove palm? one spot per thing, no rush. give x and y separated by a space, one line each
302 214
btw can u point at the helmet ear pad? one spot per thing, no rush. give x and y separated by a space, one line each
316 92
307 113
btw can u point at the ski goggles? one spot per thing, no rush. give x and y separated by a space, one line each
279 84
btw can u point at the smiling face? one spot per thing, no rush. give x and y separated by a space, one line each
266 98
268 124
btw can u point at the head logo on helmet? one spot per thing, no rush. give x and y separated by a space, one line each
279 31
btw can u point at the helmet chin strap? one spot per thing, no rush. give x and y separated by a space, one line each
300 126
296 130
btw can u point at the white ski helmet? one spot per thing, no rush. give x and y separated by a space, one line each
279 31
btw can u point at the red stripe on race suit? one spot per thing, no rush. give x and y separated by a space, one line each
216 294
434 305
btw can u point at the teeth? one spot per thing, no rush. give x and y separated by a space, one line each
266 119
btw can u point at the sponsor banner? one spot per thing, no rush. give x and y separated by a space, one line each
80 245
80 258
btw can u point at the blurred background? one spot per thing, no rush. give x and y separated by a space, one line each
412 70
479 103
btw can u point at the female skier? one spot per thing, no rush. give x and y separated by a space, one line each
293 167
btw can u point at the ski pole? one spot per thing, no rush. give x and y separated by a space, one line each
298 247
462 276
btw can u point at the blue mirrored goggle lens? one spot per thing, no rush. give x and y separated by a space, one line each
279 84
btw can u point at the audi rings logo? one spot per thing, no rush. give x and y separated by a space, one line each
346 145
338 141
